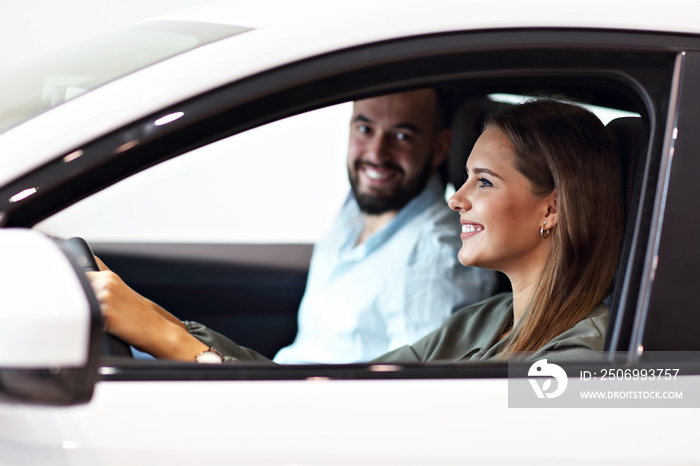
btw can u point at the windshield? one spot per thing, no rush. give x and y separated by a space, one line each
34 87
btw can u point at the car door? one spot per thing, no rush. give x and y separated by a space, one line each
365 413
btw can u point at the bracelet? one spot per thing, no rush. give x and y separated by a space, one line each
209 356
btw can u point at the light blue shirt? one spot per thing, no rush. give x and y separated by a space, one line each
363 300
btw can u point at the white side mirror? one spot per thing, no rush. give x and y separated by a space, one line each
50 337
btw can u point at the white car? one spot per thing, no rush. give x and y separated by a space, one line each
164 144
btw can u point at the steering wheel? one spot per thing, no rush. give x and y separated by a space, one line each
81 251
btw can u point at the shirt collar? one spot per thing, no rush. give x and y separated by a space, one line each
354 219
491 344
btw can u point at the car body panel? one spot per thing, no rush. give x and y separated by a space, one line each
445 422
179 413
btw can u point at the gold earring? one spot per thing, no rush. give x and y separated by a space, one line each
544 233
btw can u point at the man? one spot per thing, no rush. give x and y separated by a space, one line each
387 273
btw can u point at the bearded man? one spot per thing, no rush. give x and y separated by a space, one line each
387 273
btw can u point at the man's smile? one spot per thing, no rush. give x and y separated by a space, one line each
379 175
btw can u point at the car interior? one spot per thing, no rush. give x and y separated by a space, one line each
256 305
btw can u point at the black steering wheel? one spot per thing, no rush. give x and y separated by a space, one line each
81 251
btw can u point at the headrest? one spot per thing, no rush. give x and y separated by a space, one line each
467 123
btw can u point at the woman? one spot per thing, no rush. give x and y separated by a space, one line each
542 203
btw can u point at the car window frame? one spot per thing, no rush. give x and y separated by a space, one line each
361 72
665 320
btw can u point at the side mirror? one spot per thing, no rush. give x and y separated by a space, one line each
51 322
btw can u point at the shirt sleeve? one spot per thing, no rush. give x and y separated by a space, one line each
232 352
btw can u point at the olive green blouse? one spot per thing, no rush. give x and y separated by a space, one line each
471 334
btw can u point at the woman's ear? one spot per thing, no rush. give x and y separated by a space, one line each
551 217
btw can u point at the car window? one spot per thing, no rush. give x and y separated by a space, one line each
283 182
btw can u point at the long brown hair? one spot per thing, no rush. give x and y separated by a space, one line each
565 147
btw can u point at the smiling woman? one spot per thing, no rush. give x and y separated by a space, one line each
499 209
545 178
542 178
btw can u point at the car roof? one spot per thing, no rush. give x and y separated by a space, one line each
292 31
443 15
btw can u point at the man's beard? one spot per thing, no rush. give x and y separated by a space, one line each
379 202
